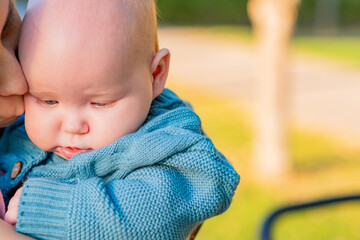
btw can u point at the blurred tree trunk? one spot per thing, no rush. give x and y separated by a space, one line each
273 22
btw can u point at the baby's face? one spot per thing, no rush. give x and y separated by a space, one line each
69 111
85 92
68 114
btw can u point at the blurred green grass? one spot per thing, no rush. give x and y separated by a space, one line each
321 167
340 49
335 222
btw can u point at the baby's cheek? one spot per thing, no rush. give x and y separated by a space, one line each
39 129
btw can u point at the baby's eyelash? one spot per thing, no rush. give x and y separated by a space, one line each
49 102
99 104
103 104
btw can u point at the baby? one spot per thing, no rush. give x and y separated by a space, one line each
113 155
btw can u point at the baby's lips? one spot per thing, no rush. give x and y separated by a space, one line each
69 152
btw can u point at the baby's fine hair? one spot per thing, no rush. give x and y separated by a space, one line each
146 14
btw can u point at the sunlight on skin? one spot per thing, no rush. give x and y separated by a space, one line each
8 232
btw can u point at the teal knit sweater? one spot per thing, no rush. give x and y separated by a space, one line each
157 183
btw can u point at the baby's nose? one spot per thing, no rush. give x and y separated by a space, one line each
74 124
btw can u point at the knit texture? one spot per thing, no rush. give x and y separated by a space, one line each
157 183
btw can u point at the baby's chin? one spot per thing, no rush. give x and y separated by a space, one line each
71 150
60 155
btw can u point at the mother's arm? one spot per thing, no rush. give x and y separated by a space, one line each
12 81
8 232
12 85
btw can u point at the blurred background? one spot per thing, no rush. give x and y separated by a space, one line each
277 85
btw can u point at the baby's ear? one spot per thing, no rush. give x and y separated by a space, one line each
160 70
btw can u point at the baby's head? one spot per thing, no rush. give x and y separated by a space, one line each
93 68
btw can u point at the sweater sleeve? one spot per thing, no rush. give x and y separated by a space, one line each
154 202
157 183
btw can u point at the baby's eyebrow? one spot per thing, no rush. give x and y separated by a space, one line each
9 16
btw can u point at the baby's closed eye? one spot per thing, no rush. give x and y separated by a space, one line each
49 102
103 104
99 104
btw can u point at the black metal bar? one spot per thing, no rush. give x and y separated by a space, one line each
269 222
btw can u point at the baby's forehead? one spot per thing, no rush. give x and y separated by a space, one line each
87 18
70 40
123 21
90 32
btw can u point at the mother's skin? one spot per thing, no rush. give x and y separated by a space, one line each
12 85
12 80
